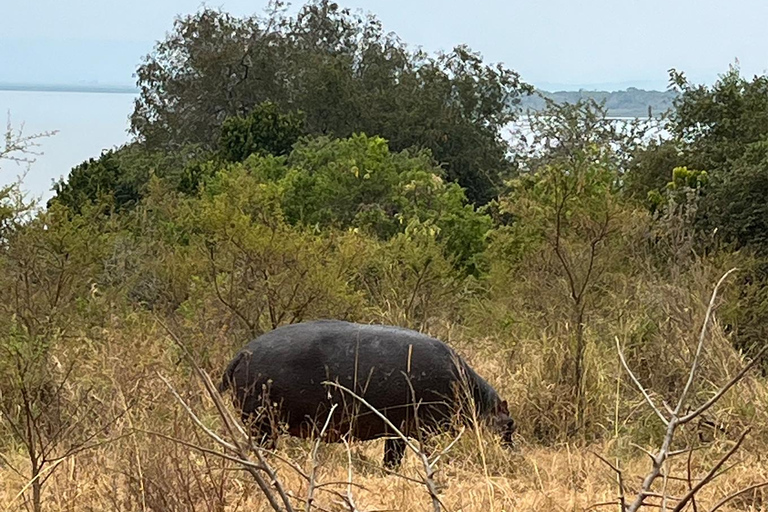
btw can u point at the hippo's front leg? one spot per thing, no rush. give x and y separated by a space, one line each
394 451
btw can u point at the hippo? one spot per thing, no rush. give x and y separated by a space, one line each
292 377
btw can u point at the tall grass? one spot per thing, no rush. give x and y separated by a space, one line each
511 342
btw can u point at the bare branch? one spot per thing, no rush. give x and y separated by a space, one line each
712 473
737 494
429 468
640 386
622 501
242 450
702 336
675 420
202 449
210 433
735 380
48 469
450 445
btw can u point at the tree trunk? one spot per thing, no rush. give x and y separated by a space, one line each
36 489
578 375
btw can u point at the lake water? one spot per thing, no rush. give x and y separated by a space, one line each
87 124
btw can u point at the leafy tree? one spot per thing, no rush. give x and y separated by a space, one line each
723 129
258 268
118 177
566 206
716 123
344 72
735 203
264 131
359 183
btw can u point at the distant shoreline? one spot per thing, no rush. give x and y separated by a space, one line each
631 102
76 88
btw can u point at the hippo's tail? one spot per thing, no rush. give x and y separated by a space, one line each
226 378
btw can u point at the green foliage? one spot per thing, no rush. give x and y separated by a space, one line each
116 178
58 256
684 181
571 179
227 220
716 123
264 131
263 270
359 183
650 167
567 209
409 281
344 73
682 177
736 204
724 129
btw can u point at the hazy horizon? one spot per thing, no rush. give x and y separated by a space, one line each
554 45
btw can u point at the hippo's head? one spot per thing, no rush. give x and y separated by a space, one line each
503 424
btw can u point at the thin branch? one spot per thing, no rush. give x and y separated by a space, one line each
5 461
640 386
428 481
603 504
622 495
232 427
202 449
712 473
48 469
736 495
709 403
210 433
315 465
450 445
702 337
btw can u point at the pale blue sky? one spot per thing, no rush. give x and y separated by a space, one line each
552 43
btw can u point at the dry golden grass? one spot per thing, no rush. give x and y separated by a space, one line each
543 479
139 471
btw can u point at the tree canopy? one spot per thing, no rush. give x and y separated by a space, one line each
344 73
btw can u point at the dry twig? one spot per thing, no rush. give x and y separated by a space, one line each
675 418
429 465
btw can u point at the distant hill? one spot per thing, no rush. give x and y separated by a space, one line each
631 102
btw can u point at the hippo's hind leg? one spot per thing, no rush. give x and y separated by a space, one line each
394 451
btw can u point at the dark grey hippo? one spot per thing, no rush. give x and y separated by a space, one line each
419 383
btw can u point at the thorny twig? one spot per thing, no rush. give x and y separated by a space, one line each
676 418
736 494
313 473
240 444
429 466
